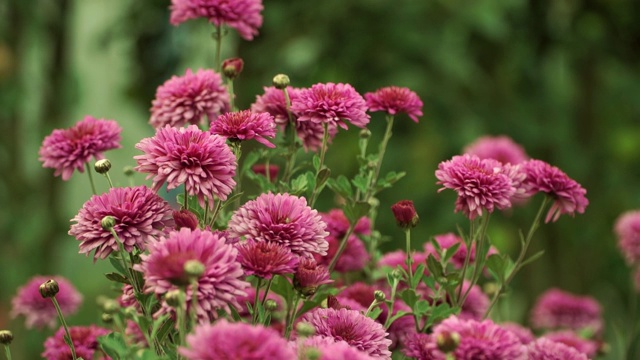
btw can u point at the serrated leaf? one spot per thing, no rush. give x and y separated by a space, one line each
341 186
113 345
421 307
434 266
117 277
449 252
299 184
410 297
361 183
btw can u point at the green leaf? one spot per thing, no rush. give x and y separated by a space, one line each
361 183
341 186
532 258
115 261
410 297
113 345
299 184
421 307
117 277
497 266
373 314
249 161
390 179
282 287
449 252
322 177
354 211
417 276
316 162
434 266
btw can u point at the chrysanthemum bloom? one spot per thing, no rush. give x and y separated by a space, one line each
545 349
405 214
85 342
331 104
557 309
627 229
524 334
570 338
338 224
225 340
284 219
140 216
242 15
394 258
40 312
354 257
421 347
309 275
218 287
475 305
569 196
351 326
480 184
245 125
501 148
187 99
395 100
66 150
265 259
329 349
200 160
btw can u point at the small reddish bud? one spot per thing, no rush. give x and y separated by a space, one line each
405 214
185 218
231 68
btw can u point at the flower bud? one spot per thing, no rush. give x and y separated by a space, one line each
305 329
270 305
174 298
108 222
194 269
107 318
405 214
281 81
312 353
128 171
185 218
102 166
396 274
49 288
6 337
130 312
231 68
379 296
365 133
110 306
447 342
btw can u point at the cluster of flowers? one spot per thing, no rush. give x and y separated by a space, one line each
268 276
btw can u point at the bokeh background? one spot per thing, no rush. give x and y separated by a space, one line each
561 77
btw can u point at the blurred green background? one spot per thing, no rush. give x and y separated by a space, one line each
560 77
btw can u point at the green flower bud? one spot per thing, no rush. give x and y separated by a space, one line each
379 296
108 222
271 305
365 133
110 306
6 337
174 298
281 81
102 166
447 342
107 318
49 288
305 329
194 268
128 171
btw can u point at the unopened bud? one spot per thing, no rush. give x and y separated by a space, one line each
405 214
365 133
490 288
49 288
447 342
102 166
108 222
107 318
174 298
128 171
194 268
305 329
231 68
270 305
281 81
130 312
312 353
379 296
110 306
396 274
185 218
6 337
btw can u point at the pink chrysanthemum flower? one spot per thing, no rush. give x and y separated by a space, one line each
475 305
66 150
545 349
40 312
309 275
284 219
330 349
421 347
331 104
245 125
570 338
557 309
243 15
85 342
351 326
627 229
481 185
569 196
218 287
397 258
225 340
354 257
140 216
265 259
187 99
524 334
501 148
395 100
198 159
338 224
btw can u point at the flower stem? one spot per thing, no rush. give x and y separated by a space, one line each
479 260
381 152
291 317
291 141
67 336
109 180
232 96
182 324
343 245
7 352
194 304
323 151
217 36
93 185
407 235
256 299
266 291
185 201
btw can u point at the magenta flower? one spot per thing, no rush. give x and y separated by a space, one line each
501 148
405 214
218 287
330 349
140 216
186 99
309 276
331 104
85 342
570 338
338 224
354 257
421 347
40 312
351 326
395 100
524 334
627 229
66 150
545 349
242 15
475 305
245 125
225 340
569 196
265 259
557 309
284 219
397 258
185 218
190 156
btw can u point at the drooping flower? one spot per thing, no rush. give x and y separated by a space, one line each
570 338
218 287
545 349
568 195
627 229
309 275
395 100
245 125
40 312
225 340
243 15
140 216
329 349
66 150
187 99
421 347
558 309
85 342
354 257
265 259
501 148
284 219
200 160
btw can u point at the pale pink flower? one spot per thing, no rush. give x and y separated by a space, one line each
395 100
627 229
570 338
501 148
545 349
331 104
245 125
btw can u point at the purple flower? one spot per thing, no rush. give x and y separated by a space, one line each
265 259
242 15
330 349
186 99
475 305
225 340
570 338
569 196
354 257
338 224
309 275
200 160
557 309
501 148
66 150
284 219
85 342
545 349
40 312
395 100
421 347
218 287
245 125
627 229
351 326
140 216
524 334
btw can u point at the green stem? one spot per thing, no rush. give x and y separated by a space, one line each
343 245
217 36
391 304
194 303
480 260
182 324
236 147
93 185
467 259
7 352
256 299
407 235
290 133
291 317
323 151
129 269
185 201
373 306
381 152
109 180
266 290
66 328
232 96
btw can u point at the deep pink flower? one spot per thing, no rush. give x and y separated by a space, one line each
627 229
501 148
309 275
475 305
200 160
140 216
569 196
185 218
524 334
218 287
545 349
331 104
330 349
225 340
187 99
85 342
245 125
232 67
557 309
66 150
265 259
284 219
351 326
421 347
570 338
405 214
354 257
40 312
395 100
398 257
242 15
338 224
